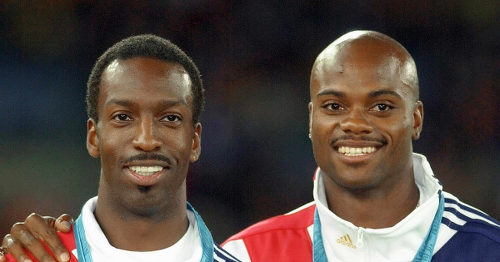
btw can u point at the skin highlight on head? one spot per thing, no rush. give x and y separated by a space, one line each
399 62
364 113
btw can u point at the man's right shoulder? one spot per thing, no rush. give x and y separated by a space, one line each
287 235
67 239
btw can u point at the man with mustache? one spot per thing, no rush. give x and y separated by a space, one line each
374 199
144 99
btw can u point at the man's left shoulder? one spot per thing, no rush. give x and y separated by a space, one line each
467 233
466 218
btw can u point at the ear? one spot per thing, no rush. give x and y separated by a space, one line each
196 146
418 119
310 107
92 138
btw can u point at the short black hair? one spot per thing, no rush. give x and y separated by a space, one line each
150 46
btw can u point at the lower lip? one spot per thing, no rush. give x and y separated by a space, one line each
145 180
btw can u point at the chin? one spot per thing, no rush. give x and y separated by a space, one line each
146 209
358 185
143 198
353 181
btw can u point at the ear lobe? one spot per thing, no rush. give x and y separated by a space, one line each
196 144
92 139
418 120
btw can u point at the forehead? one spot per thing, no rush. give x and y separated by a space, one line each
144 78
361 66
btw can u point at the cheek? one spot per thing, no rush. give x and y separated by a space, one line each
111 146
322 131
180 143
323 126
400 134
397 127
108 155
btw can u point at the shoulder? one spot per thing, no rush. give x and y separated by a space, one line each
277 238
297 219
222 255
469 233
462 217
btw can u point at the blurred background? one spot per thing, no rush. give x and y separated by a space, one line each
255 58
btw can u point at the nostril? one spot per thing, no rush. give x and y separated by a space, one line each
357 125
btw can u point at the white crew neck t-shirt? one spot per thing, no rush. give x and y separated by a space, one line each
188 248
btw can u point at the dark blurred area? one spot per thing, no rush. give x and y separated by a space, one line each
255 58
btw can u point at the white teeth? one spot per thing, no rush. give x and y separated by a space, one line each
145 170
356 151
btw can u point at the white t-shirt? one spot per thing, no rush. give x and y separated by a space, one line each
188 248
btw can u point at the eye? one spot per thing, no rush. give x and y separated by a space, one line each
333 106
172 118
122 117
382 107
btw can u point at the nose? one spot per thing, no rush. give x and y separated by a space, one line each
146 138
356 123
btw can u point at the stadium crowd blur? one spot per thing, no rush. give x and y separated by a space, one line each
255 58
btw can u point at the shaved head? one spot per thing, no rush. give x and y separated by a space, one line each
359 49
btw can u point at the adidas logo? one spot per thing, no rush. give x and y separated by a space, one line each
346 241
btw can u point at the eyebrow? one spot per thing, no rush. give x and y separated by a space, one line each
384 92
371 94
331 92
163 103
125 103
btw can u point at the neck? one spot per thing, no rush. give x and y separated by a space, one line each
375 207
138 232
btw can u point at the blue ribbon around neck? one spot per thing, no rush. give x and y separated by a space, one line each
207 241
424 253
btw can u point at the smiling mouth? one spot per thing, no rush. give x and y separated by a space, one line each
145 170
356 151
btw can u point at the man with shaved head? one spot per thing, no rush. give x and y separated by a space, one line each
374 199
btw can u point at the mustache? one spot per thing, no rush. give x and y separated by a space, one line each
362 138
149 156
